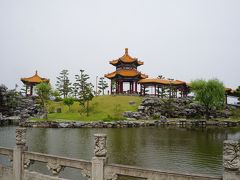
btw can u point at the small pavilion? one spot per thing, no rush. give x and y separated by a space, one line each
32 81
126 72
164 87
230 93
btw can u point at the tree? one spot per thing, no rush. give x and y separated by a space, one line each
56 95
209 93
68 101
238 93
75 90
63 83
85 90
43 90
102 84
9 100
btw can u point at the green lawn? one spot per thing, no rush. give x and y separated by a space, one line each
105 108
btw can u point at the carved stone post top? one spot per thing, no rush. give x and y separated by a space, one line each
100 135
231 155
230 142
100 143
21 136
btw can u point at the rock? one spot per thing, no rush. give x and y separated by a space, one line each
132 103
63 125
58 110
184 107
135 115
141 108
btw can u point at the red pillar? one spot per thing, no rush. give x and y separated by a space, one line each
140 89
111 87
121 86
130 87
155 91
117 87
136 91
31 90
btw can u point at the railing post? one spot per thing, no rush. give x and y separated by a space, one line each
100 157
17 153
231 160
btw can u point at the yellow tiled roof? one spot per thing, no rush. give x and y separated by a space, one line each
126 58
34 79
125 73
162 81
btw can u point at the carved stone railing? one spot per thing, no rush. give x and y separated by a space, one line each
98 168
231 159
113 171
7 152
56 163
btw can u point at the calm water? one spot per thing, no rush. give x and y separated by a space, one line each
177 149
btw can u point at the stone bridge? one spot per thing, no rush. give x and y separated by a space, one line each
98 168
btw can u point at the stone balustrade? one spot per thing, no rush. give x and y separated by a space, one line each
98 168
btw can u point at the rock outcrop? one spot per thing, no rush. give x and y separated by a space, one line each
158 108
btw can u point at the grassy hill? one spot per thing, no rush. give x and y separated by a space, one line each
105 108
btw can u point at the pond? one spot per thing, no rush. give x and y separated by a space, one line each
176 149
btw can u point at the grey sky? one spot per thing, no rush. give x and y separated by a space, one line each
180 39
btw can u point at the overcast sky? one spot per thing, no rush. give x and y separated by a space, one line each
180 39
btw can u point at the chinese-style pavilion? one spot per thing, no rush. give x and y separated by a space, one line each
30 82
126 71
164 87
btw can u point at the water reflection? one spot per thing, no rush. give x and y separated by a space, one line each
177 149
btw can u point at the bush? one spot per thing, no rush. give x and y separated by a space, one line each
68 102
236 113
51 109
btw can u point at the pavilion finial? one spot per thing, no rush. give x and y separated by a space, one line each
36 72
126 50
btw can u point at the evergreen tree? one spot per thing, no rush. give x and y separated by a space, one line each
102 84
63 83
75 89
85 90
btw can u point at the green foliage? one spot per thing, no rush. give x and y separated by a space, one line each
43 90
75 90
85 94
114 86
238 92
63 83
8 100
51 109
211 93
236 113
56 95
68 102
102 85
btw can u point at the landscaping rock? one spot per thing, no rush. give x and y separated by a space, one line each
132 103
185 107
